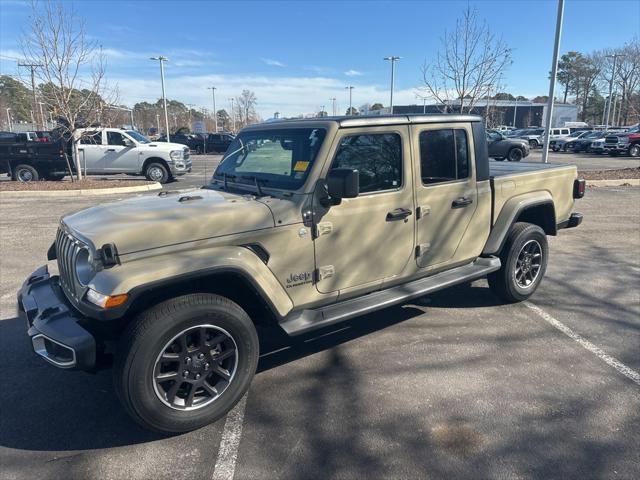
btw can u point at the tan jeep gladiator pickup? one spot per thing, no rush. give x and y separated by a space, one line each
305 223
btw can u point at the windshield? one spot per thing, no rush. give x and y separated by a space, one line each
138 137
277 158
593 135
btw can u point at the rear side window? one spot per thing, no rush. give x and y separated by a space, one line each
444 155
91 138
377 157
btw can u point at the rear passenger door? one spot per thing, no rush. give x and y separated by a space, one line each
92 152
446 194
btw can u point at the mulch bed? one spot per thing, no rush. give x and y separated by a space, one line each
611 174
66 184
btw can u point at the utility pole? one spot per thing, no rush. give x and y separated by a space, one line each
613 76
158 122
162 59
350 88
215 113
42 117
333 106
233 116
393 60
552 83
515 109
9 124
32 67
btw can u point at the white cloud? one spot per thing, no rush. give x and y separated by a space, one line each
353 73
288 95
273 63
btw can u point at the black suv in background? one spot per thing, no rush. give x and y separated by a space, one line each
219 142
194 142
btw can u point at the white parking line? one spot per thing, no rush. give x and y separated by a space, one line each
609 360
228 452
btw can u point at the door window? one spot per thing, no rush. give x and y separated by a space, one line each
377 157
115 138
91 138
444 155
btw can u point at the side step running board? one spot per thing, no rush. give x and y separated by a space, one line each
304 321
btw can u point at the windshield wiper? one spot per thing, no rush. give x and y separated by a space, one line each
256 182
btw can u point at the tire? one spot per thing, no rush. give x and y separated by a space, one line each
138 362
613 153
499 159
524 239
157 172
198 150
533 143
555 149
25 173
515 155
634 150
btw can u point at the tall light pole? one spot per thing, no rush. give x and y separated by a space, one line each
162 59
10 125
322 112
515 109
233 115
32 67
613 76
333 106
393 60
424 103
158 122
552 83
215 113
350 88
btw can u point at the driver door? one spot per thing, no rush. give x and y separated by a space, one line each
367 239
121 154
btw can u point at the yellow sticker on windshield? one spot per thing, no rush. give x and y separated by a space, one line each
301 166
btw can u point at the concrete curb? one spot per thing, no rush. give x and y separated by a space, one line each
634 182
87 192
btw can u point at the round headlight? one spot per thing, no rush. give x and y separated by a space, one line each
84 266
175 154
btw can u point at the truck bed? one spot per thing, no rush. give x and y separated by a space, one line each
511 182
504 168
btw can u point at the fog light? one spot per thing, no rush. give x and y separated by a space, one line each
106 301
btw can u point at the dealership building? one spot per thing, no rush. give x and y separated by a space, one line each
501 112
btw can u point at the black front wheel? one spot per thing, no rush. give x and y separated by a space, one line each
25 173
186 362
515 155
524 261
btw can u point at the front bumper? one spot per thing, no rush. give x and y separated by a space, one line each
54 326
620 148
180 167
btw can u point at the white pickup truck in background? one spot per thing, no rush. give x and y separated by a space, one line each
114 150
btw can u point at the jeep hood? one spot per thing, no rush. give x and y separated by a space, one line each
152 221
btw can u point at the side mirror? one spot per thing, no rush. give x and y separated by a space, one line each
342 183
127 143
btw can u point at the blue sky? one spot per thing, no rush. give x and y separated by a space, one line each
296 55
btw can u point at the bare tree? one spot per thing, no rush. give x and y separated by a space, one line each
246 108
71 69
470 63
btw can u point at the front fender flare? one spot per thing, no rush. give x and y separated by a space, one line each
140 275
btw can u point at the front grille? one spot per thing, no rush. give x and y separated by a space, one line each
611 139
186 154
67 249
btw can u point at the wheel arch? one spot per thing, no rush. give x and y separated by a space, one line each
149 160
536 208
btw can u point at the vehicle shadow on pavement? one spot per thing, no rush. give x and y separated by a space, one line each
45 408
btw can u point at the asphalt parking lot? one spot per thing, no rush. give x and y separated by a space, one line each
454 385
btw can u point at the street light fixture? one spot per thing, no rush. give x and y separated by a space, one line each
162 59
393 60
350 88
215 114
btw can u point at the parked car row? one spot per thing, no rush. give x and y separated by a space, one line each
201 142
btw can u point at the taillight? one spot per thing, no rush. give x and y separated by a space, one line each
578 188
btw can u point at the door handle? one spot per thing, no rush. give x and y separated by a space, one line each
398 214
111 149
81 149
461 202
